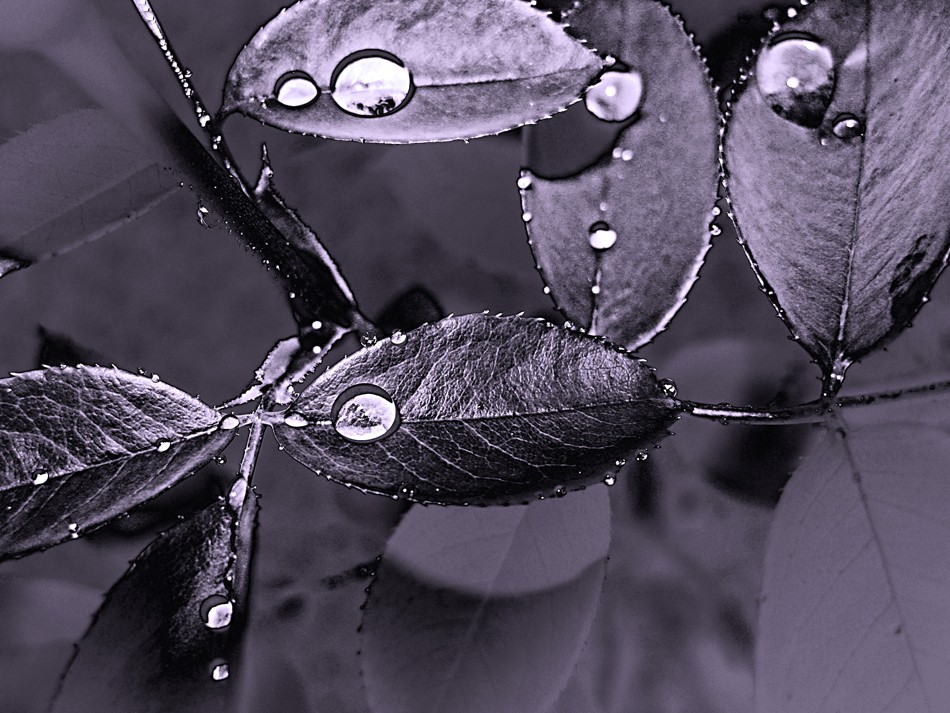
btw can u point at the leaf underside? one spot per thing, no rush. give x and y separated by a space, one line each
148 649
477 69
856 598
80 446
493 410
851 233
655 189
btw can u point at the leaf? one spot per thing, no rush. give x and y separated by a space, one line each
445 71
149 648
477 409
857 577
850 231
484 610
650 196
80 446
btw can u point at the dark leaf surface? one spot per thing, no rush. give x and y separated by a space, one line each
484 610
149 648
79 446
476 68
487 409
851 231
855 600
654 190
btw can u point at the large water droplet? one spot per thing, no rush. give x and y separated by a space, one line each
668 387
398 338
371 84
220 670
365 413
40 478
229 423
796 77
847 127
216 611
616 96
296 89
601 236
163 446
296 420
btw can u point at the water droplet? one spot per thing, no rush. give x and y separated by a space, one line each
398 338
668 387
626 155
595 290
368 339
73 530
524 183
407 491
715 230
546 290
642 456
220 670
560 491
296 90
601 236
296 420
365 413
229 423
716 210
163 446
216 611
221 460
526 216
795 75
40 478
620 462
616 96
316 324
847 127
610 480
371 84
237 494
156 378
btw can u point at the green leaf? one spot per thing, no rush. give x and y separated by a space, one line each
843 199
442 71
484 610
650 196
856 600
80 446
477 409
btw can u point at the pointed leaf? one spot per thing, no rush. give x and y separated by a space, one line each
400 72
844 206
484 610
650 196
152 647
477 409
856 599
79 446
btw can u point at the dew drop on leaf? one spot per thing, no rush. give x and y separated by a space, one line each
216 611
220 670
40 478
73 530
601 236
371 84
367 339
296 420
668 386
365 413
163 446
847 127
524 183
795 75
616 96
642 456
560 491
229 423
398 338
316 324
526 217
296 89
610 480
620 462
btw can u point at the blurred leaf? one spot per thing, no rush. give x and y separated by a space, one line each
856 601
36 611
650 197
413 308
447 71
80 446
477 409
150 647
484 610
59 350
844 206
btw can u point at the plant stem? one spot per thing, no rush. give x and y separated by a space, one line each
243 501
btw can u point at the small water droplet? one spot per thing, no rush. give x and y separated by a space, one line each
524 183
315 324
595 290
560 491
546 290
216 611
642 456
716 210
620 462
220 670
610 480
156 378
371 84
163 446
296 90
795 75
229 423
365 413
616 96
296 420
601 236
368 339
668 387
398 337
221 459
40 478
847 127
626 155
407 491
715 230
526 216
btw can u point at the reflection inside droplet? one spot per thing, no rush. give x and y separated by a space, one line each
216 611
847 126
371 84
365 413
795 75
296 89
601 236
616 96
